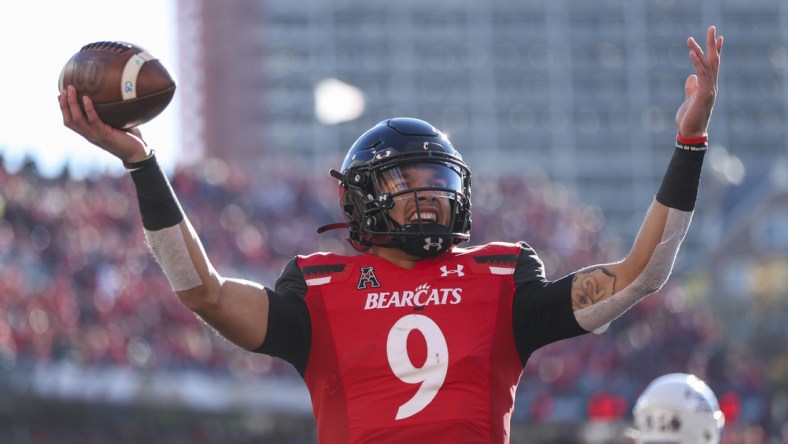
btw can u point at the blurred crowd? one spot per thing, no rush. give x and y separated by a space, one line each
78 285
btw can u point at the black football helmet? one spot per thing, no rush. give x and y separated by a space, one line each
408 166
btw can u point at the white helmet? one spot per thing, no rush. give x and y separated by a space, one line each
678 408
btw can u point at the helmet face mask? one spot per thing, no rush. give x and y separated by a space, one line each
404 186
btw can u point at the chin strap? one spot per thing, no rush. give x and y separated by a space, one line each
329 227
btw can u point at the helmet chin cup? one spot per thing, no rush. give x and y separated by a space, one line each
425 240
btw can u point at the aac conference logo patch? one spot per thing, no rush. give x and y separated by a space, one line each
368 278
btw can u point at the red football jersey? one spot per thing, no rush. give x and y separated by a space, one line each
421 355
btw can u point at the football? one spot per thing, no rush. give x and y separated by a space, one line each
127 85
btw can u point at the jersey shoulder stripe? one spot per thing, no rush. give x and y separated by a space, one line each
323 268
496 258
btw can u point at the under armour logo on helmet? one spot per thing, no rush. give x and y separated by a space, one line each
428 243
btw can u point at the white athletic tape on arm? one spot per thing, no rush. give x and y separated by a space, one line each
650 280
169 249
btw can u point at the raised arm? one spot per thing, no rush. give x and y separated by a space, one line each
603 292
237 309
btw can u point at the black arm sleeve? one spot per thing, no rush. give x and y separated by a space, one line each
542 310
289 332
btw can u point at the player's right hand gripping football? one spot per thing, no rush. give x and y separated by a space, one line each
128 146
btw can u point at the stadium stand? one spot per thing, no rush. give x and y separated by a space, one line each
91 325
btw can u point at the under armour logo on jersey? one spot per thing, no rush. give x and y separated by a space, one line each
445 271
428 243
368 278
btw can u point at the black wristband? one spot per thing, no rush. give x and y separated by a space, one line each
158 205
679 187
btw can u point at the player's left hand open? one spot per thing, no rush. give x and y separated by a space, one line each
693 116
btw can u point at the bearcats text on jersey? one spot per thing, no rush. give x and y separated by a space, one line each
422 296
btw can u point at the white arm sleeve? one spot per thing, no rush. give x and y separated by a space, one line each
650 280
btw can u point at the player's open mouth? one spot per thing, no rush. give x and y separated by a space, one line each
427 216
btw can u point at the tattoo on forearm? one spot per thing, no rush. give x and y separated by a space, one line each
591 286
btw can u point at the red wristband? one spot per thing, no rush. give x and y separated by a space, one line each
692 140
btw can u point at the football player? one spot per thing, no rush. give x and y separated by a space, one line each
416 339
678 409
